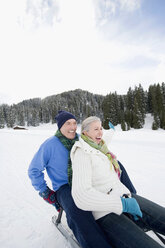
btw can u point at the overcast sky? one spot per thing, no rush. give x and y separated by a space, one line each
51 46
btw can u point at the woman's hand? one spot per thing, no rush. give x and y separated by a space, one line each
131 206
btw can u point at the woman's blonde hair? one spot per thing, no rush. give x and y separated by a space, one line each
86 123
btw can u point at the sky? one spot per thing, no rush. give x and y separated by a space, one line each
102 46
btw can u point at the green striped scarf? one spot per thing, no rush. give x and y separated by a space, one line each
68 143
102 147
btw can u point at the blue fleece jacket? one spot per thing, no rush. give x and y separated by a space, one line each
53 157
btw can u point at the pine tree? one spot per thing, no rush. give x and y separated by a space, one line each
129 107
137 121
163 92
123 126
121 109
157 103
2 118
105 108
11 117
156 122
141 99
111 109
20 120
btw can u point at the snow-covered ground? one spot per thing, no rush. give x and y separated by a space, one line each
25 219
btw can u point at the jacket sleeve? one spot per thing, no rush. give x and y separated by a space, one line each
126 180
36 168
85 196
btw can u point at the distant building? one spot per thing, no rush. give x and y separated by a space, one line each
19 128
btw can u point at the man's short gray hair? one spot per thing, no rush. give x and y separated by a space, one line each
86 123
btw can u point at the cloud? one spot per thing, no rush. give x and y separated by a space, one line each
48 12
39 13
106 10
129 5
140 61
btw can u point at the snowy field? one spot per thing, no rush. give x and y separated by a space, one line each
25 219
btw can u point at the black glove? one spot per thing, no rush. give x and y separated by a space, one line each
50 196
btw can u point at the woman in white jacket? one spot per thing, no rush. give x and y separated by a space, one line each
96 187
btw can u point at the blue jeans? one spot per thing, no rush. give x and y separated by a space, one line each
86 230
123 232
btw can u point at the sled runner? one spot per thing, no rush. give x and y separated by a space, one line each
65 231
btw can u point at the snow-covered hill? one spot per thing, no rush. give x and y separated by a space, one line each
25 219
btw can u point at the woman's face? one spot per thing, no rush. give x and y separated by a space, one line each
95 131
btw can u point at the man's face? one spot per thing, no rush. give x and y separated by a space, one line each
69 128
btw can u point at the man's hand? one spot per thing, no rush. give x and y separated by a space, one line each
111 126
50 196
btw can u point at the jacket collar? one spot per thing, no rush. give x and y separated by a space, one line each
85 146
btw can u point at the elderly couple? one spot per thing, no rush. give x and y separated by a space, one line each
92 186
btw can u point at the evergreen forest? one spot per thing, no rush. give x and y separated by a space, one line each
129 110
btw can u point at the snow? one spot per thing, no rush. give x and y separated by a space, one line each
25 219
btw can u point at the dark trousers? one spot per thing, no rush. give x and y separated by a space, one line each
124 232
85 228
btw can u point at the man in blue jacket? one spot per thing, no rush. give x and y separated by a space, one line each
54 156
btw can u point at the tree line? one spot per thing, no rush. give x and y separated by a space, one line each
129 110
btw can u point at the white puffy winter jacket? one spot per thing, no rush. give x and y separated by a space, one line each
95 184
